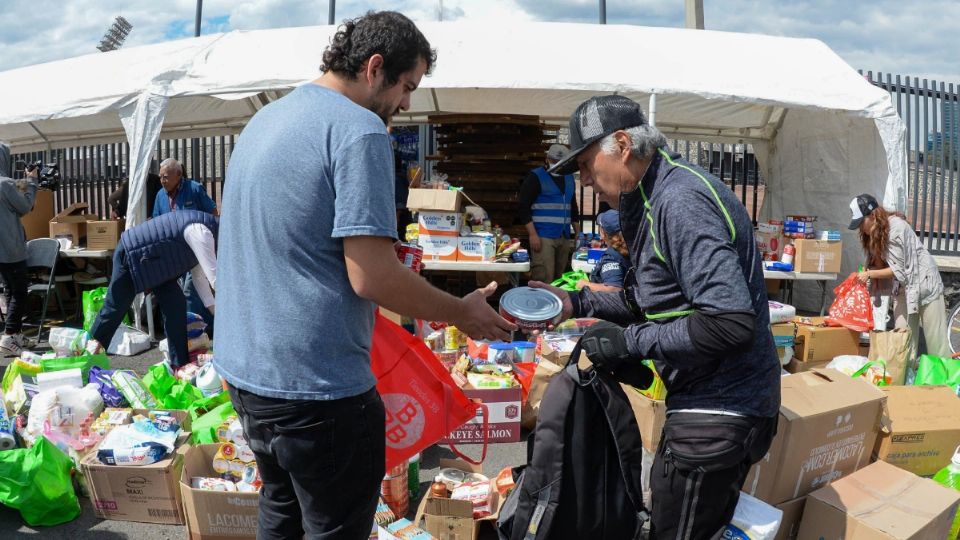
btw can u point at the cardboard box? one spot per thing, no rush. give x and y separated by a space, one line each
879 502
922 428
438 248
37 222
215 514
651 416
790 523
71 223
503 406
447 200
817 256
447 519
145 493
828 427
476 248
796 366
817 342
104 234
439 224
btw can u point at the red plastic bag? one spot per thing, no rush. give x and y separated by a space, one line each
523 372
852 307
422 402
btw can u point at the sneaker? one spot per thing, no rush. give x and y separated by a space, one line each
12 344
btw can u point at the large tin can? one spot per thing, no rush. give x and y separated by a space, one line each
531 309
410 255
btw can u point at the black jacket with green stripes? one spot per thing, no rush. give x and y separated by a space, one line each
695 262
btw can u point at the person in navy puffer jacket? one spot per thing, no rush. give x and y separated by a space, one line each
151 257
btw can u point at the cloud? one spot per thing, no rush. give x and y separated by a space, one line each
891 36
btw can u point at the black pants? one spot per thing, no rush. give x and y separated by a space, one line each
701 464
15 293
321 463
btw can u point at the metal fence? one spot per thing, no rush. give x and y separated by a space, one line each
89 174
931 112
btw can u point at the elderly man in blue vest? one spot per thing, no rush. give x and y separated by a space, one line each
152 256
548 211
181 193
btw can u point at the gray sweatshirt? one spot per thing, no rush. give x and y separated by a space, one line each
13 205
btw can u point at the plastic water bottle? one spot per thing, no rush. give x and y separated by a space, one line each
949 476
413 476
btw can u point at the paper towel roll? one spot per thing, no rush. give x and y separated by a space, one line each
7 442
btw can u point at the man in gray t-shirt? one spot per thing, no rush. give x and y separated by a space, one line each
305 256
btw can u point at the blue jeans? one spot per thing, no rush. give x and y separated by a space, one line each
195 303
120 295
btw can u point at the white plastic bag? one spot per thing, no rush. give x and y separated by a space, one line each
68 341
128 341
64 407
753 520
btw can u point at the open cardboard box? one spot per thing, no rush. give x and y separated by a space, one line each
446 518
71 223
145 493
215 514
443 200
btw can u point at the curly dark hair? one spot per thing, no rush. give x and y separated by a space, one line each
387 33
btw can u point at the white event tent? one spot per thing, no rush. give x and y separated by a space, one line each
821 132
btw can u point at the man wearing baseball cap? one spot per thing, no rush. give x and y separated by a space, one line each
548 210
695 303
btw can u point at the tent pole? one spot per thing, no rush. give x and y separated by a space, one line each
333 12
652 110
603 11
196 31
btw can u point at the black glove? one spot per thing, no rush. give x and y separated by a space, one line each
606 347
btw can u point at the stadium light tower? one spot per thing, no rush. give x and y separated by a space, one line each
115 36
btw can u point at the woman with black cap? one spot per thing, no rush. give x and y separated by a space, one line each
898 264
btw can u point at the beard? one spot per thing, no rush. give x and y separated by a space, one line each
381 107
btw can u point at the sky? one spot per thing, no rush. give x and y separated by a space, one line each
907 37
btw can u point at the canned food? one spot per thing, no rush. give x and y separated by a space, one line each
531 309
410 255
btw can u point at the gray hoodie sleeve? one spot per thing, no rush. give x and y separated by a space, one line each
20 203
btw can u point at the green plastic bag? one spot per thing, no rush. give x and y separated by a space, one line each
933 370
14 370
171 393
37 482
205 427
568 281
205 405
92 304
84 362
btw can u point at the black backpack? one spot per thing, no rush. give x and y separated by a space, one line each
582 479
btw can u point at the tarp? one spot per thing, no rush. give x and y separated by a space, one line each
821 132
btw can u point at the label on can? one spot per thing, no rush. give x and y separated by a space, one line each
410 255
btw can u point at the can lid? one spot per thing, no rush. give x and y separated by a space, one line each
524 345
531 304
501 346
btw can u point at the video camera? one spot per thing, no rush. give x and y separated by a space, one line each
49 175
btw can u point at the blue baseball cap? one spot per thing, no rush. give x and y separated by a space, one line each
609 221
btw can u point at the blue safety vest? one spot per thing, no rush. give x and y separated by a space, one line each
551 210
